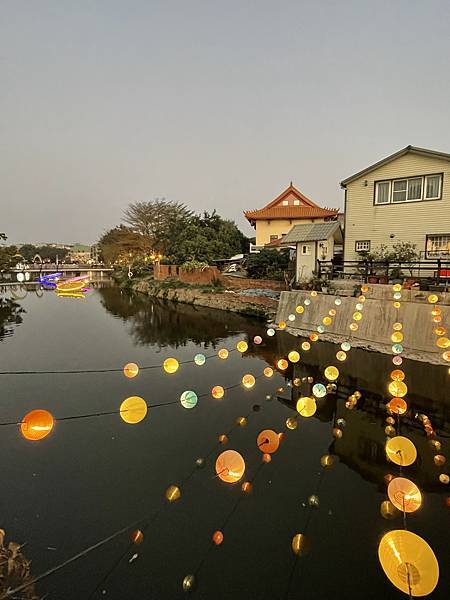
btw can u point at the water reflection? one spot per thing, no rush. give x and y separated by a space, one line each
10 316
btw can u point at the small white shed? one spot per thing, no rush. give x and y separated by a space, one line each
314 241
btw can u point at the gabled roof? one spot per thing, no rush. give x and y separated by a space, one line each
391 157
312 232
306 209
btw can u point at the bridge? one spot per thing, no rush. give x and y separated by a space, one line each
31 273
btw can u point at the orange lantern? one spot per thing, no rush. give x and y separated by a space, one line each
282 364
268 441
217 392
223 353
130 370
397 375
268 372
282 325
36 425
314 337
217 537
137 537
230 466
397 406
248 381
266 458
223 438
404 494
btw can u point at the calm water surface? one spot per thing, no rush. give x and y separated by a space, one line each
93 476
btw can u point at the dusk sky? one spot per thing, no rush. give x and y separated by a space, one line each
214 104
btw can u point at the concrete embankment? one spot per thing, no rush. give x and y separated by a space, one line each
375 328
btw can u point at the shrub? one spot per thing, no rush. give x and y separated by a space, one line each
268 264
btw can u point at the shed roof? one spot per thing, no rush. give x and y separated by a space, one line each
313 232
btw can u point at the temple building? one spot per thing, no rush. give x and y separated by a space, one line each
277 218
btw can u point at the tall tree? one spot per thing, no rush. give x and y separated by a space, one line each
118 243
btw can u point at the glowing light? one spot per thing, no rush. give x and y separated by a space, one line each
188 583
397 287
440 331
248 381
397 406
444 478
230 466
359 306
314 337
291 423
357 316
397 360
246 487
223 353
300 544
268 441
307 302
171 365
291 317
404 494
353 326
130 370
341 355
282 364
446 356
388 510
306 346
396 304
36 425
398 388
346 346
314 293
133 410
397 296
332 312
241 421
362 298
268 372
306 406
257 339
442 342
299 309
397 348
223 439
439 460
364 288
320 329
397 337
401 451
188 399
331 373
327 320
319 390
266 458
326 460
217 537
338 301
217 392
282 325
173 493
271 332
242 346
432 299
397 374
397 326
137 537
199 359
294 356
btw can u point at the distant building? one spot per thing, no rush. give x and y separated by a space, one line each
404 197
291 207
79 253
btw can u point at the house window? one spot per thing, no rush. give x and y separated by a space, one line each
273 238
382 192
362 246
438 245
285 202
306 249
412 189
296 202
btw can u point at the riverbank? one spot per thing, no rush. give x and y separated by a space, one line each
246 297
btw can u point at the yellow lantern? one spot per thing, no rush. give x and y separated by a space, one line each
364 288
306 346
130 370
432 299
404 494
299 309
396 304
306 406
282 364
353 326
388 510
223 353
171 365
357 316
341 355
442 342
300 544
294 356
327 320
326 460
217 392
230 466
133 410
242 346
173 493
398 388
248 381
313 294
397 287
331 373
401 451
268 372
397 337
282 325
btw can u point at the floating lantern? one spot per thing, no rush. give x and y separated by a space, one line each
439 460
357 316
346 346
223 438
217 538
326 460
397 406
331 373
397 337
307 302
446 356
398 388
332 312
217 392
341 355
432 299
271 332
242 346
268 372
319 390
397 326
388 510
299 309
200 462
320 329
353 326
223 353
397 287
268 441
291 423
401 451
171 365
294 356
408 562
300 544
296 381
282 364
246 487
397 360
442 342
130 370
188 399
248 381
173 493
397 296
338 301
404 494
306 346
257 339
291 317
314 337
313 501
36 425
436 311
341 422
188 583
331 388
282 325
440 331
397 348
397 374
359 306
199 359
306 406
314 293
437 319
364 288
389 431
133 410
396 304
444 478
337 433
362 298
266 458
388 478
137 537
327 320
230 466
241 421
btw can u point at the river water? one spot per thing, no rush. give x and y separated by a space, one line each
93 476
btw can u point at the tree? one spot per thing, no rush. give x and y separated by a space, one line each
119 243
267 263
8 255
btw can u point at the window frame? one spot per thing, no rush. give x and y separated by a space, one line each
423 197
272 238
362 242
433 235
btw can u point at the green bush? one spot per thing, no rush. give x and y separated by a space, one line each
268 264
